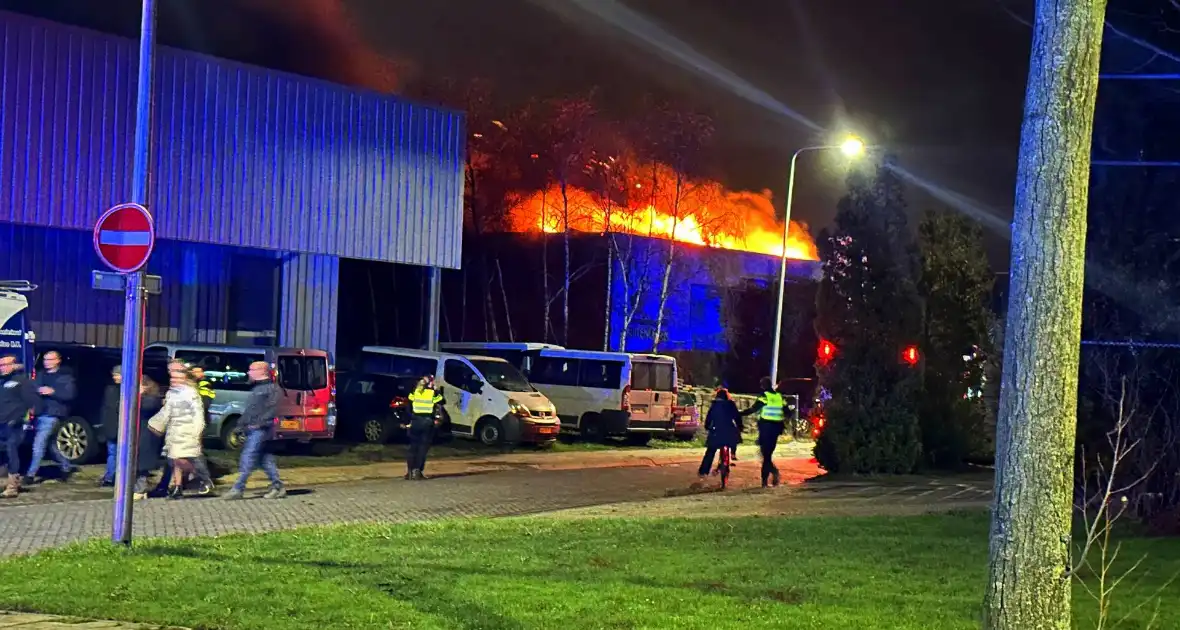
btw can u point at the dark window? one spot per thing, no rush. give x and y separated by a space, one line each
380 363
459 374
223 370
603 374
303 373
361 386
315 372
290 372
652 376
554 371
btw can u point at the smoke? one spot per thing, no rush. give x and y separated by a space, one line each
329 44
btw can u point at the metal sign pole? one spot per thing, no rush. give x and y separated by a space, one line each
133 320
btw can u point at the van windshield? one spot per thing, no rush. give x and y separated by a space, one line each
503 376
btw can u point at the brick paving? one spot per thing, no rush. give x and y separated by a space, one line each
24 621
29 528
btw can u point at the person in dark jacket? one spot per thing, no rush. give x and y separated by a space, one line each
18 399
57 388
147 456
110 423
724 424
258 420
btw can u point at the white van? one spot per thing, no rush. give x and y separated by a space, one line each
598 394
486 398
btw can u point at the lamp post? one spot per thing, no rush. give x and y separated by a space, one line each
852 147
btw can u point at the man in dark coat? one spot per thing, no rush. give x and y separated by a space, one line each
57 388
18 400
258 420
724 424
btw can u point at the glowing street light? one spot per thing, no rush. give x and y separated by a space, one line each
852 147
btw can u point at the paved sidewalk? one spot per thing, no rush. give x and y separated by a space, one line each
22 621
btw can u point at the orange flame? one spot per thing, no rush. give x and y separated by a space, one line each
699 213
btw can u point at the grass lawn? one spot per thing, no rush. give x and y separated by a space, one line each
832 574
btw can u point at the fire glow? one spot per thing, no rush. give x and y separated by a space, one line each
708 214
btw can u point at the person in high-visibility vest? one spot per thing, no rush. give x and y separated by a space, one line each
423 400
771 410
204 389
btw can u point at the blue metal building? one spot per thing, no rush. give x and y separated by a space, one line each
261 181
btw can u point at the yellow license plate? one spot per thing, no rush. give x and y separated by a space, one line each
289 425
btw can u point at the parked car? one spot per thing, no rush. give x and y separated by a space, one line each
307 410
686 417
373 408
485 398
80 436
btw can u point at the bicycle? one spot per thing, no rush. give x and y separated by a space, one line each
724 465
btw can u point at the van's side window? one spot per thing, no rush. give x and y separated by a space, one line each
223 370
603 374
459 374
554 371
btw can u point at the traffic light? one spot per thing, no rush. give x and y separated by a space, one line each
910 355
826 351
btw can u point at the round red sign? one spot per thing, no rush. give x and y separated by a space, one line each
124 237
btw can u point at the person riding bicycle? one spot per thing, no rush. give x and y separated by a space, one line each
724 424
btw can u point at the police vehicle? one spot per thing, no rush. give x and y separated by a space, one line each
15 336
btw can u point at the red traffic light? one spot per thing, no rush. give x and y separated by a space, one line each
910 355
826 351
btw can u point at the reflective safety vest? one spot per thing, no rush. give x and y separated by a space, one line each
422 401
205 390
772 407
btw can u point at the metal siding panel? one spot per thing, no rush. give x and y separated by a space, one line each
310 289
65 309
244 156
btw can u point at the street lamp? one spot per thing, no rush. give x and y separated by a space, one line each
852 147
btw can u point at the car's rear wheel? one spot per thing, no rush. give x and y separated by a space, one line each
378 429
75 439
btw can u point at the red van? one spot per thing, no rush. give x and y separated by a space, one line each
306 376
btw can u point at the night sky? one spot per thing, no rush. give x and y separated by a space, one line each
938 83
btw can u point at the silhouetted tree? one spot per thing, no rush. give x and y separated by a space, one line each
869 307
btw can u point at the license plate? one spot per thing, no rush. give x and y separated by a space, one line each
289 425
546 430
686 418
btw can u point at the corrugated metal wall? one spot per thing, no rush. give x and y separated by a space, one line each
310 288
65 308
244 156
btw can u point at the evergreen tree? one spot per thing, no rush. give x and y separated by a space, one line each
956 289
869 307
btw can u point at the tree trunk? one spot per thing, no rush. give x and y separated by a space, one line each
463 307
610 269
504 294
373 307
655 344
545 263
1028 584
565 295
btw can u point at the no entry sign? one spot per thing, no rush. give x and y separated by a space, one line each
124 237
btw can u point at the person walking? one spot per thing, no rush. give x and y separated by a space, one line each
724 424
147 458
18 399
204 389
57 388
770 410
423 401
182 423
110 424
258 419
